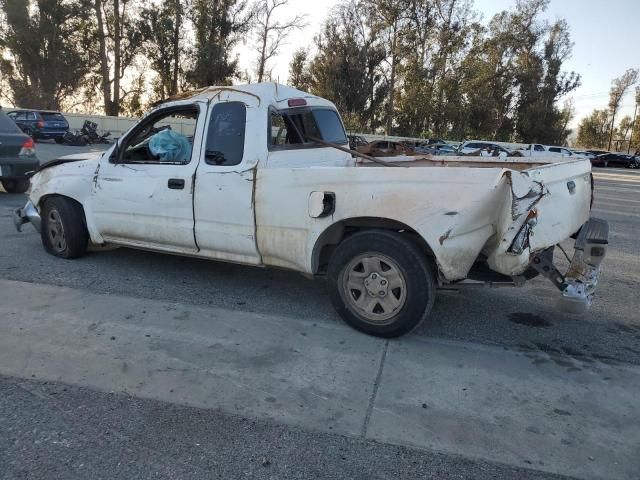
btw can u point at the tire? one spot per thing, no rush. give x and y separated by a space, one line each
64 233
376 261
59 140
16 186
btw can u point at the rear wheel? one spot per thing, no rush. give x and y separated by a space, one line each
16 186
63 232
381 283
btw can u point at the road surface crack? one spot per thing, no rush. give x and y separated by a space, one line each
374 393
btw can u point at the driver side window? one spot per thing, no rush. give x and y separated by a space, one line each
166 137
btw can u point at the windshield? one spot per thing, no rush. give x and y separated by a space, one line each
7 125
49 116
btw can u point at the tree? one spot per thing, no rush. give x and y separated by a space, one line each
387 17
634 140
619 88
162 29
218 25
299 76
348 67
46 59
119 37
542 84
593 130
271 33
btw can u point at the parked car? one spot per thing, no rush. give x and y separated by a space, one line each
583 153
385 148
41 124
538 150
486 149
597 152
356 141
17 156
436 141
564 151
445 149
436 149
616 160
267 180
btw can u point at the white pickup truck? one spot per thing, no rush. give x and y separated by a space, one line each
261 175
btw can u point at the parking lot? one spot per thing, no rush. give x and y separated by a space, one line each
496 381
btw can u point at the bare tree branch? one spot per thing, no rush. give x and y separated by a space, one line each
271 33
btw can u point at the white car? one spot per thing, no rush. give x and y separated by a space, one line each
538 150
484 149
261 174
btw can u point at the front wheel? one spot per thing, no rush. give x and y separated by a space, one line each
381 283
63 231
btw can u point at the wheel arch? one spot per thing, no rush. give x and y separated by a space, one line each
331 237
94 235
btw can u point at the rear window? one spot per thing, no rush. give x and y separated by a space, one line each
288 125
7 125
56 117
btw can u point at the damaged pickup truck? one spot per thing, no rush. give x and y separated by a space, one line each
261 175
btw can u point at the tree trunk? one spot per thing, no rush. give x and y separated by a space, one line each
392 79
117 59
633 127
104 59
263 52
613 118
176 48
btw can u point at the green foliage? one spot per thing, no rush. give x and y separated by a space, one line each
594 130
598 129
347 67
299 76
440 70
47 61
218 25
162 28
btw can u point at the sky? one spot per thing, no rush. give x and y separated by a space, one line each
604 32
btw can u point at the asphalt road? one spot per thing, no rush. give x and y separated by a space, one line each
85 435
514 319
523 318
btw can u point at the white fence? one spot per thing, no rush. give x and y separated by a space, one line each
118 125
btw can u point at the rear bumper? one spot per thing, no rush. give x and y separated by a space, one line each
578 284
27 214
17 168
49 134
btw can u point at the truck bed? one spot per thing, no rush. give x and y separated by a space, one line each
513 163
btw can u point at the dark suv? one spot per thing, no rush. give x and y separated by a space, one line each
17 156
41 124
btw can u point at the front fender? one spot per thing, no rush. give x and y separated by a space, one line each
74 180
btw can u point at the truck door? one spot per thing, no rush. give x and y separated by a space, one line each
226 177
142 194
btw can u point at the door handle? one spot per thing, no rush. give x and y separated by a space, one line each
176 183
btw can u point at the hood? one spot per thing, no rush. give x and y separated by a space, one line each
76 157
